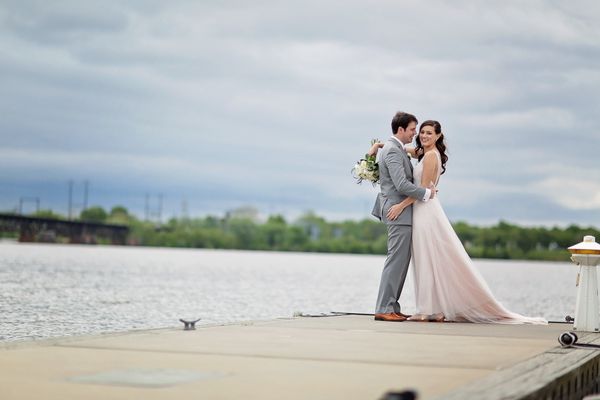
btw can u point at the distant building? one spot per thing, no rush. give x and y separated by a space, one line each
246 212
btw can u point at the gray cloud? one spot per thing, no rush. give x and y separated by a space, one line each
271 103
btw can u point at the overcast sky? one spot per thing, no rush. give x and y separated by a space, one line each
270 103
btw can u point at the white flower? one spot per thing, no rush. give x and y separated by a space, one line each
366 169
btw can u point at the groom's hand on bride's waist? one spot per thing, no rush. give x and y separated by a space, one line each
433 189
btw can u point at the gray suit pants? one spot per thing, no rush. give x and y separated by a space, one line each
395 268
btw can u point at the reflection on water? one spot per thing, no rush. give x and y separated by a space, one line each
61 290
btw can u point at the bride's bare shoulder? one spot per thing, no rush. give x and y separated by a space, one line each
431 159
430 155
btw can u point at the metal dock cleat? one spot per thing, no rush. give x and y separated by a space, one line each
189 325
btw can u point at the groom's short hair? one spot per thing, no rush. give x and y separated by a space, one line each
402 119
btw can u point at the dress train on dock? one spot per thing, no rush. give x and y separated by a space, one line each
446 280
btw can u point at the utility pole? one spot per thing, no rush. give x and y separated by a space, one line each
23 200
86 184
154 213
160 207
184 209
82 206
70 208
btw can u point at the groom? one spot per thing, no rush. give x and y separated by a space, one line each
396 181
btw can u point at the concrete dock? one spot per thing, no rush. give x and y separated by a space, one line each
338 357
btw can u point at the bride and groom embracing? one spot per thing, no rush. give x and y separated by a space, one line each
448 287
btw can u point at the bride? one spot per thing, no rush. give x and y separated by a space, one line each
448 287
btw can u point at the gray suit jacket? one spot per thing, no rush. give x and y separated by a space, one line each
396 183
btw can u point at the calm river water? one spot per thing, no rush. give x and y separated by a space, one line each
62 290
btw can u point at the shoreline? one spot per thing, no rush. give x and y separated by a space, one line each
128 246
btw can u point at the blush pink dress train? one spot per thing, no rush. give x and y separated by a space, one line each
446 281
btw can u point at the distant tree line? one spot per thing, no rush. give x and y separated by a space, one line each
312 233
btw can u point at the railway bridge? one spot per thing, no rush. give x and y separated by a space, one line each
36 229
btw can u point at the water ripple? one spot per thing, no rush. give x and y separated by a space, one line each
64 290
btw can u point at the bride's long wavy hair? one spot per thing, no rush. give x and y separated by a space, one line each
441 146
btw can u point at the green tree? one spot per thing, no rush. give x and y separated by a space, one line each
274 232
47 214
313 233
119 215
246 233
93 214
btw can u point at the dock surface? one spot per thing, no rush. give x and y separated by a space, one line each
339 357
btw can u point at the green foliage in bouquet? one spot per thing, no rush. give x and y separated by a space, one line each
367 168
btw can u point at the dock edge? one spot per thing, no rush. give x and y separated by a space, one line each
557 374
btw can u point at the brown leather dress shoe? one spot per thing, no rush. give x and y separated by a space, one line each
391 317
403 315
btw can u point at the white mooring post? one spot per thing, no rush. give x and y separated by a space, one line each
586 255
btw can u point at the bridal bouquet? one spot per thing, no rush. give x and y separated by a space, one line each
367 168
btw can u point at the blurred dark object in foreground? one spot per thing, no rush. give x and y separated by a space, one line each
404 395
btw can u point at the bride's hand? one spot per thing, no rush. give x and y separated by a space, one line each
394 212
375 148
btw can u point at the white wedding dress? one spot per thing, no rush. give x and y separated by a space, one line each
446 281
